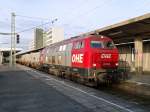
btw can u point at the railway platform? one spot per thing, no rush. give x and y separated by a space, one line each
20 92
141 79
24 89
138 85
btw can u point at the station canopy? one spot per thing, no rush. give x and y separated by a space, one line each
127 30
9 49
6 51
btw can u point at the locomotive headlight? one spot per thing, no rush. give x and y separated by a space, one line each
116 64
94 65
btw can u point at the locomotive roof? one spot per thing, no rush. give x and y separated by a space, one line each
60 43
73 39
29 51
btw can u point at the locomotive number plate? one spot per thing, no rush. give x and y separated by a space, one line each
105 56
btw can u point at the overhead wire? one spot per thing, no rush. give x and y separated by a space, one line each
90 11
47 19
32 18
81 15
75 18
85 13
33 27
4 22
67 14
29 17
136 9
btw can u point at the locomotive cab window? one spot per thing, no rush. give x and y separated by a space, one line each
109 44
96 44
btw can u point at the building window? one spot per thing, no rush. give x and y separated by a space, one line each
50 32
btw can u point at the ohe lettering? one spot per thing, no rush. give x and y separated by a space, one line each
78 58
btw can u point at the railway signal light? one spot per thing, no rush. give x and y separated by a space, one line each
18 39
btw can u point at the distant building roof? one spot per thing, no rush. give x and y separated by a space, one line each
28 51
9 49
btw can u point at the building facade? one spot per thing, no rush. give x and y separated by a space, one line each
1 57
31 45
53 35
44 38
38 38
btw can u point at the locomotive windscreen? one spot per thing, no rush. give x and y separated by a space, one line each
96 44
104 44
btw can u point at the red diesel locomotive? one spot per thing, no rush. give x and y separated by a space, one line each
90 59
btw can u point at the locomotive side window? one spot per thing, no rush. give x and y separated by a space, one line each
79 45
64 47
69 46
76 45
109 44
60 48
96 44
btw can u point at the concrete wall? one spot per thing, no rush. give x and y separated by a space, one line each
1 57
58 34
127 56
54 35
146 56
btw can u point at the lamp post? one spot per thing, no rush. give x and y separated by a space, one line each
13 41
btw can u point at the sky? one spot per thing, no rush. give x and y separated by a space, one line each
75 16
